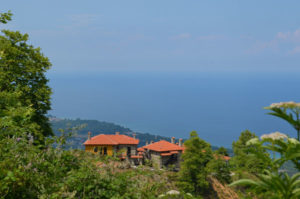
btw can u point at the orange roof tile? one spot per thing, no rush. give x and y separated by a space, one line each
174 152
226 158
163 145
104 139
140 149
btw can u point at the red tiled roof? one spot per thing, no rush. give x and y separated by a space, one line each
104 139
140 153
140 149
226 158
174 152
165 154
163 145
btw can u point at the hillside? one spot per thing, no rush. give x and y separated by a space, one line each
98 127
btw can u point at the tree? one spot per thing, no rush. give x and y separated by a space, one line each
193 171
245 158
219 168
288 111
222 151
22 75
15 119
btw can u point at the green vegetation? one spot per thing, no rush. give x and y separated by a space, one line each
193 172
250 158
25 95
219 169
272 182
30 172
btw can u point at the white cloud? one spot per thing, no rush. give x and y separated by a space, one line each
284 42
289 36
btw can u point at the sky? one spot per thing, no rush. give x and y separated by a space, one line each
170 35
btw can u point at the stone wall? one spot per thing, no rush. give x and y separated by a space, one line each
156 159
133 149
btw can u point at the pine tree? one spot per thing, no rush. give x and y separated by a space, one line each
193 171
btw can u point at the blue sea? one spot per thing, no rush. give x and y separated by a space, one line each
219 106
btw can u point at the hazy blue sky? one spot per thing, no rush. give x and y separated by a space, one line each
168 35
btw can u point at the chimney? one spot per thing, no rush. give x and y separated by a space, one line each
180 142
117 133
134 135
151 142
89 135
147 143
173 140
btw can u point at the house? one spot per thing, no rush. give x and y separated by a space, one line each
163 153
110 145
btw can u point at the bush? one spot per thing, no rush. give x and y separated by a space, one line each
31 171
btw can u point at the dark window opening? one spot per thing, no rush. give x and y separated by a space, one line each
95 149
104 151
128 151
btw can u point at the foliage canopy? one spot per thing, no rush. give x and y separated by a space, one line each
25 94
193 171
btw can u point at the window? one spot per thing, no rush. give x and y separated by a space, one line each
128 151
95 149
104 151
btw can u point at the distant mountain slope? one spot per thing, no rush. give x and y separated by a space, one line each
98 127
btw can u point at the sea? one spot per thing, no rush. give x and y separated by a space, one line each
218 105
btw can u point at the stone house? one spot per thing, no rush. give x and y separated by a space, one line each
163 153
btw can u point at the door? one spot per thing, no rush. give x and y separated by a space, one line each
128 151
